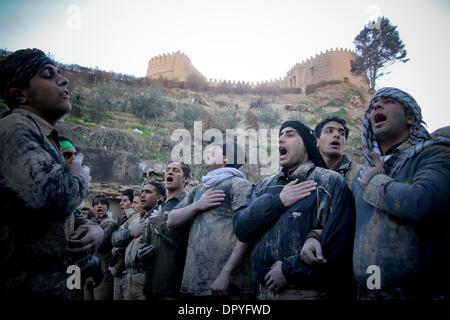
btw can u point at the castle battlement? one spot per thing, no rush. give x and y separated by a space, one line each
331 64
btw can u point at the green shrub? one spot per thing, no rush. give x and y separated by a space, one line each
3 106
148 104
188 113
269 116
260 103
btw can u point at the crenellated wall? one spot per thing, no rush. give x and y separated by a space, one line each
334 64
325 66
171 66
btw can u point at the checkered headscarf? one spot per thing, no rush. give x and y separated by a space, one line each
418 136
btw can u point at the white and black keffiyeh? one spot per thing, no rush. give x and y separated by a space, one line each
213 178
418 137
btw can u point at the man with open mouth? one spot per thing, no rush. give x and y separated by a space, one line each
402 200
165 249
300 223
39 191
332 134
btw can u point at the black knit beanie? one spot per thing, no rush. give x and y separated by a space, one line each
309 141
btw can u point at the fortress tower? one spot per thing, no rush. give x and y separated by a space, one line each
172 66
326 66
331 65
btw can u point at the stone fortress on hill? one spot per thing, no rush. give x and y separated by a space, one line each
334 64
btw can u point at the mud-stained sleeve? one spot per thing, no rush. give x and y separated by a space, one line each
121 237
336 239
239 190
108 227
425 196
253 218
36 176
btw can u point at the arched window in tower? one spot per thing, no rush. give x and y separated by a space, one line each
311 70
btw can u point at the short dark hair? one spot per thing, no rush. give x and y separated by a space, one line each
323 122
186 170
89 210
160 188
129 193
100 199
237 150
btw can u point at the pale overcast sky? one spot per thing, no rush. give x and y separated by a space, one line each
247 40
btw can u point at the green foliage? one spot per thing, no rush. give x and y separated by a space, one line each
260 103
3 105
90 114
148 104
341 113
335 103
378 46
163 157
228 119
221 103
251 120
270 116
188 113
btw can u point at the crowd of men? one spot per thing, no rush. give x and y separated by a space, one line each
322 228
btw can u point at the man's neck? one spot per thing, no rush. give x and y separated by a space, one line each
331 162
38 113
387 145
292 169
173 193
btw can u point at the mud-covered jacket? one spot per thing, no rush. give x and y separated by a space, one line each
278 232
38 197
164 269
348 169
402 226
212 240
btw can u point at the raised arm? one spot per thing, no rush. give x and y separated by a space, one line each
37 175
425 195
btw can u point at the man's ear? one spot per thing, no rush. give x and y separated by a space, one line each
410 120
19 96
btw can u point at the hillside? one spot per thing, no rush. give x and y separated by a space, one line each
123 126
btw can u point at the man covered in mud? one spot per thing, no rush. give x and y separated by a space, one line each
39 191
300 223
216 262
402 203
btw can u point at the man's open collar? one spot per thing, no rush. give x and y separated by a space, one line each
46 127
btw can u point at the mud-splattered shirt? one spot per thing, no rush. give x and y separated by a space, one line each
402 226
278 232
348 169
38 195
164 270
212 240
